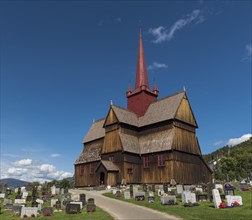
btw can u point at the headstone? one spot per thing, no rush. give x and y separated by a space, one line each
165 187
23 189
16 209
19 201
188 197
187 187
179 189
65 190
243 186
151 194
201 197
53 190
80 203
216 198
39 206
90 201
75 197
83 199
140 198
160 192
29 212
47 211
118 193
66 196
8 207
131 190
153 188
91 207
168 200
139 193
72 208
199 190
57 191
39 201
58 205
34 203
2 195
173 182
126 195
62 191
53 202
7 201
151 199
145 187
219 187
232 199
229 189
16 190
24 195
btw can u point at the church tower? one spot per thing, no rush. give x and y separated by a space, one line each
142 96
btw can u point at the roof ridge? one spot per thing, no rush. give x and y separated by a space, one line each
128 110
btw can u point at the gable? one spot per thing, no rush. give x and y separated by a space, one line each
184 112
111 118
112 142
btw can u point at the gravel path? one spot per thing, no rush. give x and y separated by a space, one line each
123 210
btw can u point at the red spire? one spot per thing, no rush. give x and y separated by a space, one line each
141 72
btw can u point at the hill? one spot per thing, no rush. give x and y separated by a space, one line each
232 162
13 183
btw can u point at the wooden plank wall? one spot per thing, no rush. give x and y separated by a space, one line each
112 142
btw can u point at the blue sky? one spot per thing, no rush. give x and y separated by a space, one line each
63 61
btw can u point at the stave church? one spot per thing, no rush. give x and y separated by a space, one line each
151 141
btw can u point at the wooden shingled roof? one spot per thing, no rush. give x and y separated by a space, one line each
109 165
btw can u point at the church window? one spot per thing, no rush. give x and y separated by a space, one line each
111 158
160 160
130 170
146 162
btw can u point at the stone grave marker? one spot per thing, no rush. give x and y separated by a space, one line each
173 182
229 189
151 199
16 190
47 211
91 207
179 189
19 201
187 197
126 195
24 195
23 189
75 197
145 187
39 206
53 202
62 191
243 186
58 205
199 190
114 191
83 199
39 201
219 187
153 188
65 190
118 193
72 208
233 199
131 190
80 203
140 198
16 209
187 187
151 194
165 187
168 200
2 195
7 201
57 191
160 192
53 190
216 198
29 212
8 206
201 197
90 201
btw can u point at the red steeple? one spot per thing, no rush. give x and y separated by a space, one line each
140 99
141 72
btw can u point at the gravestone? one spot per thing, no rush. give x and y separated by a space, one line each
229 189
90 201
219 187
65 190
151 199
140 198
153 188
168 200
201 197
18 196
39 201
232 199
29 212
66 196
16 209
179 189
53 190
131 190
187 197
39 206
83 199
243 187
19 201
216 198
91 207
72 208
126 195
160 192
151 194
165 187
24 195
80 203
118 193
57 191
7 201
53 202
58 205
139 193
145 187
173 182
187 187
8 206
34 203
2 195
23 189
199 190
47 211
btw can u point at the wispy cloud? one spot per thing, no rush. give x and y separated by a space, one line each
235 141
218 143
248 52
162 34
55 155
156 65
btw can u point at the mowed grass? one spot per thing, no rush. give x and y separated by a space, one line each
206 210
98 214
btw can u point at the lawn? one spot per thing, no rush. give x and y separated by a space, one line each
98 214
206 210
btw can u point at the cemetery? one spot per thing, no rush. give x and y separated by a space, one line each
206 201
50 203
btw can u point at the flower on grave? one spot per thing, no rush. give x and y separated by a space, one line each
33 216
235 204
223 205
47 213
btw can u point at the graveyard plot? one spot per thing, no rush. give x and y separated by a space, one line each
205 210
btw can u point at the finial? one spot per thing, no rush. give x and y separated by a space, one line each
93 120
184 88
111 102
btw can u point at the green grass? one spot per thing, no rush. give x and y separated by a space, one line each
98 214
206 210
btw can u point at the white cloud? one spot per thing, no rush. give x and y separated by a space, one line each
218 143
16 171
248 51
24 162
235 141
162 34
156 65
55 155
47 168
